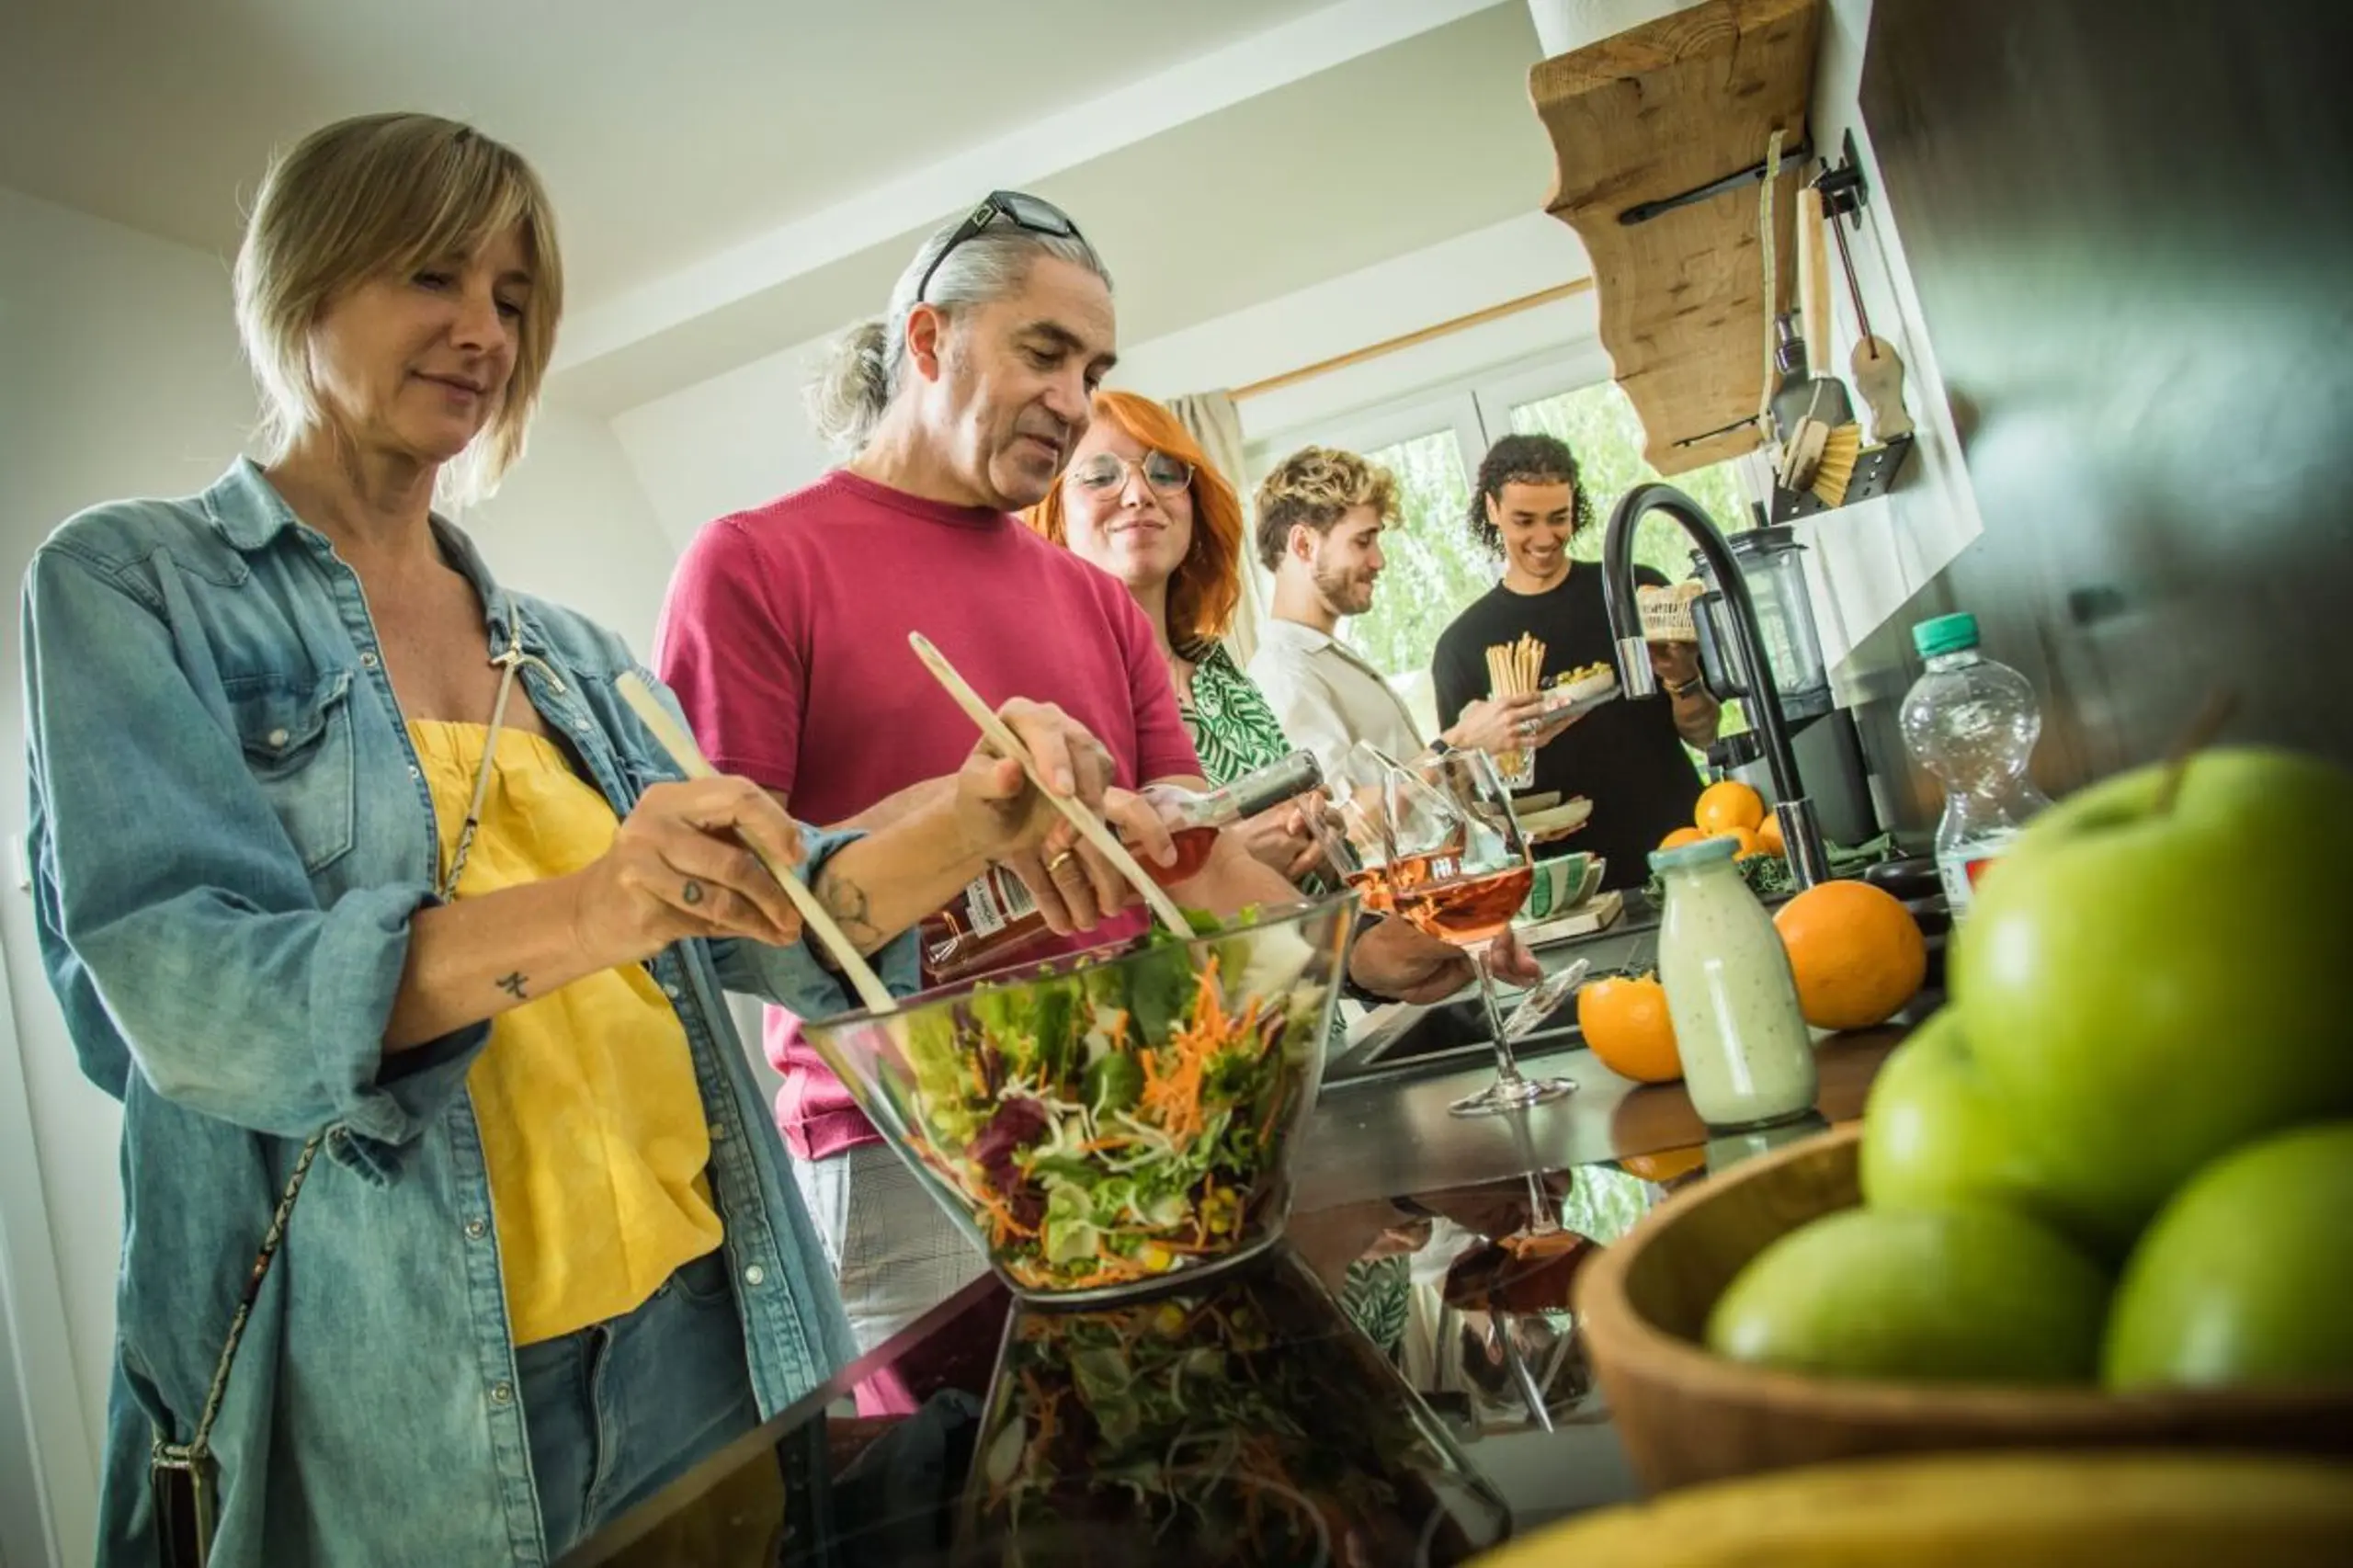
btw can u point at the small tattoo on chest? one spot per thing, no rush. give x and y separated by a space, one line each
512 984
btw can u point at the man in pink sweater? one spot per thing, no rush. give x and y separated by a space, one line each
785 636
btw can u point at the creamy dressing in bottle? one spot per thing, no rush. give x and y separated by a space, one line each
1747 1054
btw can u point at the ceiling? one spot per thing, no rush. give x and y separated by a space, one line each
735 186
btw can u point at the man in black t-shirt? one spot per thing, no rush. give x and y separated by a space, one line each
1627 757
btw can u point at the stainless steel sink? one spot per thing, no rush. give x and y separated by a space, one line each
1401 1041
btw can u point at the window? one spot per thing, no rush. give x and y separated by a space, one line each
1434 446
1432 570
1600 427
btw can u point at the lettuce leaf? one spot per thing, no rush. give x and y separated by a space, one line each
1069 1233
1160 986
938 1059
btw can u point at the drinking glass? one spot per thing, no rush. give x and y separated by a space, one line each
1435 841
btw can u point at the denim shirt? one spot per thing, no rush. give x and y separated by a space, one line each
230 835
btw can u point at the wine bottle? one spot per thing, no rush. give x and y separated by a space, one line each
995 921
1194 816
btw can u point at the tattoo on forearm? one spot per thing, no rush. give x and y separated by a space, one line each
851 909
514 985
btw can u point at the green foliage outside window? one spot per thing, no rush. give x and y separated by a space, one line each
1435 568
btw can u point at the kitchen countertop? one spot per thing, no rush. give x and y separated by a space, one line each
1354 1395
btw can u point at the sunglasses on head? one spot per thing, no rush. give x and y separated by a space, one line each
1014 207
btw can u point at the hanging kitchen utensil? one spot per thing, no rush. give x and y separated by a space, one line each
1878 380
1813 280
1835 469
1877 369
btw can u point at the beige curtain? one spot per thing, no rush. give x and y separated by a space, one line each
1214 419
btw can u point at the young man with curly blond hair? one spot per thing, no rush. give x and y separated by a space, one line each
1320 515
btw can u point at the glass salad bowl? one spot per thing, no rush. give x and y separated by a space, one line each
1108 1122
1246 1421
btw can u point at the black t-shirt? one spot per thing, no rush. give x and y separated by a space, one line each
1624 755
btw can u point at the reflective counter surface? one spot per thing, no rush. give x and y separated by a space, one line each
1400 1381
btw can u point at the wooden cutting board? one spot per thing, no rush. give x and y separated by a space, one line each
1596 914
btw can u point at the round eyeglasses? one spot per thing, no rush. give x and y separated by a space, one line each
1108 471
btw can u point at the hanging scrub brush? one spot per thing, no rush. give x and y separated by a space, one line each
1840 447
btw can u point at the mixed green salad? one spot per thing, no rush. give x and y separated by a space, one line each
1245 1425
1115 1122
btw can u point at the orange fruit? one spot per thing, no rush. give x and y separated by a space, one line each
1743 841
1856 952
1663 1168
1769 836
1728 806
1681 836
1624 1020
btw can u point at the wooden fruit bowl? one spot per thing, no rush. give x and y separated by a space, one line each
1687 1416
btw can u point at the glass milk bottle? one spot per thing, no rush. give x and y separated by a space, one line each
1747 1055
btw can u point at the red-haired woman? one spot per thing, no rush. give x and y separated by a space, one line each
1141 500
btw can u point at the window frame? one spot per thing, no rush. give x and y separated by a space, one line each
1476 408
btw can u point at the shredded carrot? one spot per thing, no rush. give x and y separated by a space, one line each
1275 1109
1172 1093
1172 1104
1005 1222
1046 1406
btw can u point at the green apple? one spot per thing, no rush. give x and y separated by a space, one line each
1934 1134
2246 1277
2149 984
1974 1294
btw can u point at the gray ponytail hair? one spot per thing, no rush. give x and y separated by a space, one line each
864 366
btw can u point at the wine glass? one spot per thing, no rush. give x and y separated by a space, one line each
1435 841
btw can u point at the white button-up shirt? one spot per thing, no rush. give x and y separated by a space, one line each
1327 697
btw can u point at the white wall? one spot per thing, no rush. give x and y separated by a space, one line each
119 375
572 525
1488 267
727 443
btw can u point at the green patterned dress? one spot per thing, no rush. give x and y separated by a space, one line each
1232 726
1236 733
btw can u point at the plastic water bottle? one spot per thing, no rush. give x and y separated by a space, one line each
1973 722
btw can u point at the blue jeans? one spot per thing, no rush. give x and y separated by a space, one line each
619 1410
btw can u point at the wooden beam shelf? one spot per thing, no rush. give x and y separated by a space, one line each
1664 111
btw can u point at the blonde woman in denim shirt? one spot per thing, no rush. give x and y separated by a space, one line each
345 850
